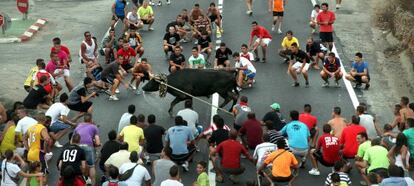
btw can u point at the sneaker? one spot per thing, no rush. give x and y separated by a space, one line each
337 85
108 92
273 28
338 6
183 41
313 31
239 89
279 31
195 42
159 3
296 84
233 179
326 84
367 86
133 87
314 172
264 60
58 145
138 92
256 59
286 60
307 85
113 98
168 2
88 181
117 91
358 85
249 12
151 3
185 166
363 183
151 29
254 80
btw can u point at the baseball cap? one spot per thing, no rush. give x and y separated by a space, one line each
275 106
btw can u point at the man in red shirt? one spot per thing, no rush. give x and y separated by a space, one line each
310 120
325 20
348 138
230 151
253 131
326 152
263 39
127 52
57 47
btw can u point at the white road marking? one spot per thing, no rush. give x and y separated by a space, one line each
348 85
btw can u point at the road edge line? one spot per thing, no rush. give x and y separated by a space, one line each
348 85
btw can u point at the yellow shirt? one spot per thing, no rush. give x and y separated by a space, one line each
29 78
144 13
34 142
286 42
8 140
132 134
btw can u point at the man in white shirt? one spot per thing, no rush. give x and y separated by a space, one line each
189 115
133 21
245 70
60 124
24 123
125 118
367 121
263 150
140 173
174 180
196 60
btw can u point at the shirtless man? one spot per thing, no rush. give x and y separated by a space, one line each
3 115
405 112
338 123
195 13
215 17
141 72
397 118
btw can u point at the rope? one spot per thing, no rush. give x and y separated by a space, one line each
199 99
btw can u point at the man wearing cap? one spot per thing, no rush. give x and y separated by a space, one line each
275 117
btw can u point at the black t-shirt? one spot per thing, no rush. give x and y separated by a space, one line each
35 97
204 42
300 56
110 70
72 156
173 24
75 95
107 150
314 48
223 56
218 136
172 39
273 116
153 135
179 60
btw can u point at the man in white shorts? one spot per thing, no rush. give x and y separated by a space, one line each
263 39
245 69
299 63
133 21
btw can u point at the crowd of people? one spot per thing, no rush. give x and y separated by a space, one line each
280 146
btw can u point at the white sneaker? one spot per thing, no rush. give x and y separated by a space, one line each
168 2
117 91
58 145
326 84
151 3
279 31
159 3
88 181
313 31
239 89
273 28
133 87
185 166
113 98
314 172
249 12
338 6
138 92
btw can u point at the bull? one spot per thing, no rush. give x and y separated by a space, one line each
196 82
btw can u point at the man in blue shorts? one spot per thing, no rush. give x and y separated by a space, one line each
245 69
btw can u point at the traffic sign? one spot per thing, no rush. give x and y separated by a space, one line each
23 6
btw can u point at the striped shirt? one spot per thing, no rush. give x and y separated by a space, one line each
275 136
343 177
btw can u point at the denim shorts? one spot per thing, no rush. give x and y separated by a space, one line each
58 126
89 153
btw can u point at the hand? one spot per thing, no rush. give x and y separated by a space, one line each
93 94
270 10
126 85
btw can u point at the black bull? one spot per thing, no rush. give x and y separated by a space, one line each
198 83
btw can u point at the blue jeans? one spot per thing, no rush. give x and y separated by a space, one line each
89 153
58 126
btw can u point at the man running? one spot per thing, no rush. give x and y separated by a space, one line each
278 9
196 60
111 75
263 39
359 72
299 63
331 68
325 20
177 60
287 42
245 69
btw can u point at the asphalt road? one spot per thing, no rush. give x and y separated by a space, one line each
272 82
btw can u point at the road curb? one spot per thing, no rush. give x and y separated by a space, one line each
32 30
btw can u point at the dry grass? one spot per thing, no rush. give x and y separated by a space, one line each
397 16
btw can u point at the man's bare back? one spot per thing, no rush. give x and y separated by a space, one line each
337 124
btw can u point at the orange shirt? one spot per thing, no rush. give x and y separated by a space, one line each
278 5
282 163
